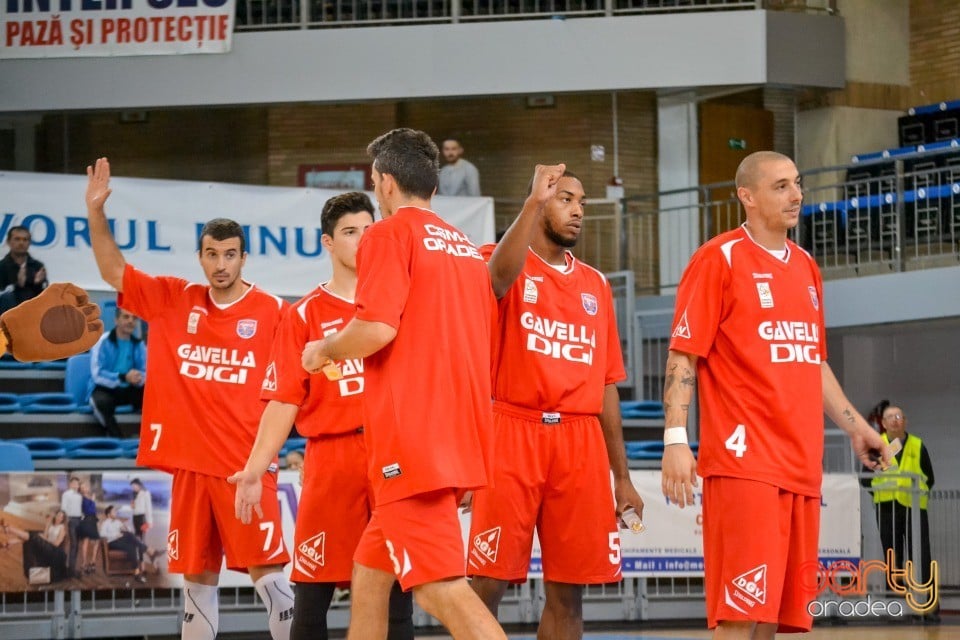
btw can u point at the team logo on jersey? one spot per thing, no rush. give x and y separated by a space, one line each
753 584
682 330
487 543
766 295
312 551
530 293
814 298
193 321
246 329
270 378
173 545
589 303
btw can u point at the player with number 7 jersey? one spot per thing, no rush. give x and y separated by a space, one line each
206 357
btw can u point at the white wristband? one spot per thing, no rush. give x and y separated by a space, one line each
674 435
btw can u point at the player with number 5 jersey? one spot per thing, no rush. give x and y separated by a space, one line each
206 356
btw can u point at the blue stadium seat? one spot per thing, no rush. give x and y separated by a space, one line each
94 448
53 365
642 409
47 403
130 447
15 457
43 448
645 450
9 403
7 361
76 381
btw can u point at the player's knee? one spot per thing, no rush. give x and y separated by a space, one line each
565 599
490 590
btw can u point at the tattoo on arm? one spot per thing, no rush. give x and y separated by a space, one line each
848 414
688 378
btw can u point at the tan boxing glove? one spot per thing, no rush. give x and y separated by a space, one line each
58 323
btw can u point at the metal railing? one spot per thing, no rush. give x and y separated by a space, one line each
257 15
883 216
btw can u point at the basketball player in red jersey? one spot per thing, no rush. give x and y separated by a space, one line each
557 360
425 315
748 329
206 357
336 500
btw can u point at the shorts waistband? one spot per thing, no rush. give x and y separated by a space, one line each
533 415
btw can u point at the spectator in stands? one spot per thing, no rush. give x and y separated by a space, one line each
295 460
88 532
895 494
71 502
118 365
458 177
21 276
115 531
142 504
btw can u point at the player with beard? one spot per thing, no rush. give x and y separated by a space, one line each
206 357
557 426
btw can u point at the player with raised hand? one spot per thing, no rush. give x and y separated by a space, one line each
207 353
556 410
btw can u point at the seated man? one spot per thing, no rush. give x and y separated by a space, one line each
22 277
118 363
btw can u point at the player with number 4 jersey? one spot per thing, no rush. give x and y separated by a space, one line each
748 331
206 357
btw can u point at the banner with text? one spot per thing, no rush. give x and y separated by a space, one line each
672 544
156 224
73 28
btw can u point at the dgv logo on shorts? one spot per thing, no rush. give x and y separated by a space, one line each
485 547
752 583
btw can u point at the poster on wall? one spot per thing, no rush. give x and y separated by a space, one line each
35 542
64 29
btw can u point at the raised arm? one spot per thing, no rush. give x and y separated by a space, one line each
109 259
508 258
679 475
866 442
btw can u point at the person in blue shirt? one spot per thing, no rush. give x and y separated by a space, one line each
118 365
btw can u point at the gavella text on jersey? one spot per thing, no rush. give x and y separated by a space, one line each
560 340
215 363
792 341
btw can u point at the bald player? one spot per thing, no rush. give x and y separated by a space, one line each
748 330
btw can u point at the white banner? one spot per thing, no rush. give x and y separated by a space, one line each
672 544
74 28
156 223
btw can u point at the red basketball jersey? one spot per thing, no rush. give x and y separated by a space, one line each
205 365
326 407
557 344
756 323
427 403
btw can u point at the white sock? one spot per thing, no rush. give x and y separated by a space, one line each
201 611
276 594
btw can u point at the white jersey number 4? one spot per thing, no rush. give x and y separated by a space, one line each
737 442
